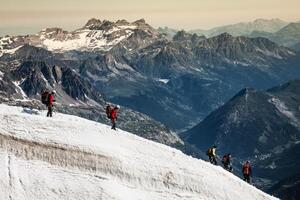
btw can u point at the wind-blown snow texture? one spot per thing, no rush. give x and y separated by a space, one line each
67 157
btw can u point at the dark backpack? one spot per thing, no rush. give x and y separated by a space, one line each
225 159
45 97
108 111
209 152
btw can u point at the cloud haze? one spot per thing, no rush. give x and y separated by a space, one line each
29 16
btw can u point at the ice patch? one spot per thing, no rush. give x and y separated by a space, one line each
272 165
165 81
17 84
31 111
269 53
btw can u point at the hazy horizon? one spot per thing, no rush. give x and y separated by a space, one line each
30 16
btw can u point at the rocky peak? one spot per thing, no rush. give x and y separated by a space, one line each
246 91
188 37
141 24
140 21
122 22
53 30
224 37
195 38
243 95
106 25
182 35
93 23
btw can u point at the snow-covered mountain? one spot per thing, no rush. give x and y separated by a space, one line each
68 157
95 35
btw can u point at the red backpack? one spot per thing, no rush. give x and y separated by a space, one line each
246 168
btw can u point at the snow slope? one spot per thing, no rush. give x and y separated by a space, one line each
67 157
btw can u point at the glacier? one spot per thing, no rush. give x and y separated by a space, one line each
68 157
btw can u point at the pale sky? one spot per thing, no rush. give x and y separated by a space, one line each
30 16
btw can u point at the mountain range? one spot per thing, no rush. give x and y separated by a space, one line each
134 65
278 31
146 71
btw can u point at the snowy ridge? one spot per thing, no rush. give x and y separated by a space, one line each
88 40
68 156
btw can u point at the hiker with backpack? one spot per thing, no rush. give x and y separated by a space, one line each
247 171
226 161
48 99
113 116
211 153
51 100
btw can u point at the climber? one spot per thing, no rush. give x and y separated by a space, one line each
211 153
226 160
50 102
113 116
247 171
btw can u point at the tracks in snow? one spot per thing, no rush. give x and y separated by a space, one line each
58 154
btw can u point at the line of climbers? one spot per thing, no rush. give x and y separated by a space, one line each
47 99
226 161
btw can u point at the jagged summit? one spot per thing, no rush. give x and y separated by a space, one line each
122 22
93 23
182 35
140 21
95 35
